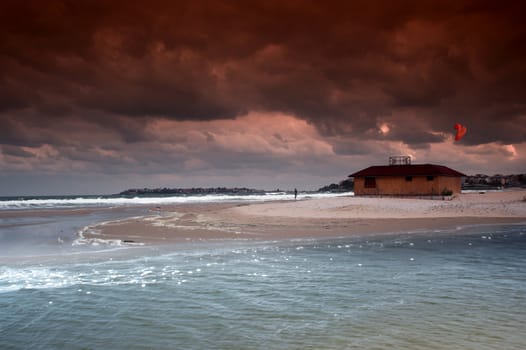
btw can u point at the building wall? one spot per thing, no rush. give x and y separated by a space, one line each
452 183
398 186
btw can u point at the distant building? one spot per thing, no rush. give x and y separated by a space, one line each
407 180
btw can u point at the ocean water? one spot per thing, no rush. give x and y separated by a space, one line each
461 289
76 202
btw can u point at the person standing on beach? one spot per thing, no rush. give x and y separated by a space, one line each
295 194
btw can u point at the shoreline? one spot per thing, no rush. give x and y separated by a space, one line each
313 218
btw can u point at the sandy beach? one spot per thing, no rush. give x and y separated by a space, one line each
313 218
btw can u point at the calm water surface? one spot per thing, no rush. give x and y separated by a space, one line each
464 289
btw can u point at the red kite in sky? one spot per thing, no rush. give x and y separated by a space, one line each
461 131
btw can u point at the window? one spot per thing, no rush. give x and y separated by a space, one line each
370 182
430 178
408 178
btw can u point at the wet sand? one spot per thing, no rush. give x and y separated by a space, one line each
313 218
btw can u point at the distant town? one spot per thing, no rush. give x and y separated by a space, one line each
515 180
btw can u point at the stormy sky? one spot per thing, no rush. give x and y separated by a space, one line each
100 96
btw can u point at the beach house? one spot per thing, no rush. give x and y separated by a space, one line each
401 178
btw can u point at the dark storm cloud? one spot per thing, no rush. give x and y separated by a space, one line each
350 147
16 151
343 66
23 131
416 138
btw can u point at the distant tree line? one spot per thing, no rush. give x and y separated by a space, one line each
189 191
346 185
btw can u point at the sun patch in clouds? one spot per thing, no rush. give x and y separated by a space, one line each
511 150
384 129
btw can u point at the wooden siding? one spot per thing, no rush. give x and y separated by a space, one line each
398 186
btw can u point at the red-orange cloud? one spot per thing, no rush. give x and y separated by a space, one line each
269 83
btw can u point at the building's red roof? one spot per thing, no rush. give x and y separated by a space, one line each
407 170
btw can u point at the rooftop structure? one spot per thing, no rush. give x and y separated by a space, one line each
408 170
